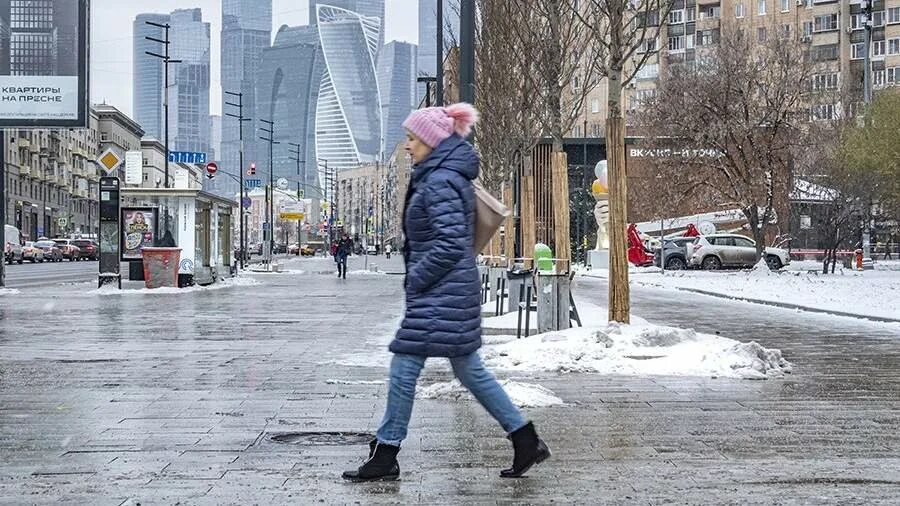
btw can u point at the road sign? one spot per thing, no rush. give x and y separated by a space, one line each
63 222
134 170
211 169
282 183
109 160
292 216
265 226
247 202
301 193
252 183
187 157
293 211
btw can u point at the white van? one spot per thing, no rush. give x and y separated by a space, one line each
12 245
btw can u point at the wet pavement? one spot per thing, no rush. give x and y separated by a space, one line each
160 399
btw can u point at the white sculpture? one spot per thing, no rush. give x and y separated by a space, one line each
601 214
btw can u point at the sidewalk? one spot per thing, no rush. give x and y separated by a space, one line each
158 399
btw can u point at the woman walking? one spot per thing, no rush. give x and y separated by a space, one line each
443 302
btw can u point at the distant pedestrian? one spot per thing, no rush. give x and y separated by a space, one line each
387 251
443 302
342 251
887 250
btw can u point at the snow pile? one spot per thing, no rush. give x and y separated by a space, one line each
864 293
591 315
638 349
761 270
353 382
366 273
521 394
9 291
226 283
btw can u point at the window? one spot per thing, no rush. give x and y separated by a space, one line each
708 37
743 243
826 23
807 28
878 18
893 75
595 106
878 77
857 51
691 14
648 71
855 21
739 10
676 16
689 41
785 5
786 30
826 52
761 34
676 43
825 81
893 15
878 48
647 46
893 46
761 7
822 112
710 11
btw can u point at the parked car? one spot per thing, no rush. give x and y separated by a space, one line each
52 253
12 245
676 253
307 251
89 249
712 252
294 249
278 249
32 253
70 251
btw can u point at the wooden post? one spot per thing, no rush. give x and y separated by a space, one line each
509 226
528 219
619 304
560 172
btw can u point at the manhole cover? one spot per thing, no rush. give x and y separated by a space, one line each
323 438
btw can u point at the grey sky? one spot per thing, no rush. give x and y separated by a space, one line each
111 28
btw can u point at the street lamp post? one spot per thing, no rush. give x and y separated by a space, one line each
166 62
241 119
271 193
296 158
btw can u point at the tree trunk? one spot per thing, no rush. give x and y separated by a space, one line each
619 296
560 171
528 219
509 225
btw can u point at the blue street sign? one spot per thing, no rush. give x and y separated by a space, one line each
247 202
187 157
265 226
252 183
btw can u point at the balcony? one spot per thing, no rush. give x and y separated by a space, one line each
25 170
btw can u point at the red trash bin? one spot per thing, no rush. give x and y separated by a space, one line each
161 266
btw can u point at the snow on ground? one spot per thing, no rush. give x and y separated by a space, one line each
591 315
8 291
866 293
226 283
366 273
637 349
521 394
353 382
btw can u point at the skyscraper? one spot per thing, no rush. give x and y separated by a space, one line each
426 53
397 83
367 8
189 80
246 32
147 85
348 113
189 101
287 91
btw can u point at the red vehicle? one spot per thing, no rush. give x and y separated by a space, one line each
89 249
70 252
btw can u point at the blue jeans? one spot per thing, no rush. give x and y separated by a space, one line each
471 373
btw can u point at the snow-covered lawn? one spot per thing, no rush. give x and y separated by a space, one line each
637 349
866 293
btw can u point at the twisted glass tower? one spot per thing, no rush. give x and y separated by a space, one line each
348 112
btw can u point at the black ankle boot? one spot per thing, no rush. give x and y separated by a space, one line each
529 450
381 466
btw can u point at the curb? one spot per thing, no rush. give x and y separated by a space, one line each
783 305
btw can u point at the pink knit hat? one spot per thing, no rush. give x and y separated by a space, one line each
434 124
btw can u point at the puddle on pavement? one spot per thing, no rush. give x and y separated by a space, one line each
322 438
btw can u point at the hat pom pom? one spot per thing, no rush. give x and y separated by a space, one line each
464 116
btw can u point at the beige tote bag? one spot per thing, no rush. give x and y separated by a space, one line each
489 215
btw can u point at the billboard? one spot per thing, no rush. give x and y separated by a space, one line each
140 226
44 63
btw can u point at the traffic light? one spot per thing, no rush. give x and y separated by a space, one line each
300 193
252 170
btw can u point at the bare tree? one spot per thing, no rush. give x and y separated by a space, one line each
620 32
508 103
740 114
557 48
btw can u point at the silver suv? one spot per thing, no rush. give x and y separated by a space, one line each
712 252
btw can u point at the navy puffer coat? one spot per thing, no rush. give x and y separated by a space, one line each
443 302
